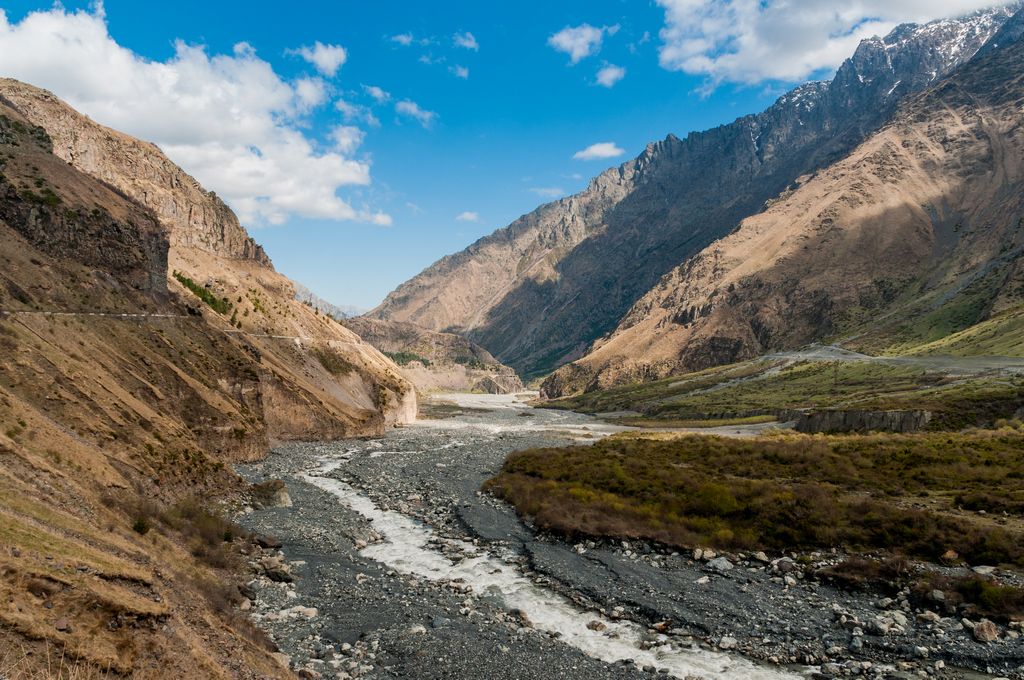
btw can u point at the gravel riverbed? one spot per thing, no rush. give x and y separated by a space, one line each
393 564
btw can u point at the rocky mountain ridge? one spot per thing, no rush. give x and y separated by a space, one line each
918 229
536 293
196 218
306 296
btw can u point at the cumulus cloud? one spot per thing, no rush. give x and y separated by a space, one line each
749 41
600 150
547 192
377 93
229 120
466 40
610 74
468 217
327 58
459 71
347 138
410 108
580 42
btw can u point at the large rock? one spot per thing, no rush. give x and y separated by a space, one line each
271 494
986 631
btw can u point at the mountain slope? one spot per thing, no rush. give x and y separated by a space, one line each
537 292
915 235
210 247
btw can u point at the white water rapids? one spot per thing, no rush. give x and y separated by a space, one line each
407 549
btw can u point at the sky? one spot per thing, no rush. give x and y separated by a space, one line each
359 142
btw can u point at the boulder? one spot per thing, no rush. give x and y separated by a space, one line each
271 494
986 631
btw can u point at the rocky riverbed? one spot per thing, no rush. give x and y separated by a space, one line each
392 564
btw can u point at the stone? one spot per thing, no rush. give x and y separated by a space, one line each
983 570
761 557
415 629
269 542
928 617
967 624
246 605
921 652
308 674
856 645
950 556
986 631
61 623
785 565
271 494
720 564
702 580
697 554
937 596
879 626
596 626
728 643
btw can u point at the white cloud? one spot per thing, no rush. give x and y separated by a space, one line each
747 41
466 40
229 120
596 151
377 93
410 108
468 217
353 112
549 192
406 39
610 74
416 210
327 58
574 175
347 138
580 42
459 71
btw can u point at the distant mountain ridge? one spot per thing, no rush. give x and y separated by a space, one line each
305 295
537 293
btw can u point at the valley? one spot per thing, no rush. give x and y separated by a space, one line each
413 573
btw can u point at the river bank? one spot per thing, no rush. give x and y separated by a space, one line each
434 598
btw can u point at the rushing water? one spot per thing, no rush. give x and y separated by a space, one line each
408 549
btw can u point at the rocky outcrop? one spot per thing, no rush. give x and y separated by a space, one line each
863 421
505 382
922 216
194 217
538 292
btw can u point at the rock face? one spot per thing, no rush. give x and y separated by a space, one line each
922 216
538 292
195 218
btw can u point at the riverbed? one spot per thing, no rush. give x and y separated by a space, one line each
404 569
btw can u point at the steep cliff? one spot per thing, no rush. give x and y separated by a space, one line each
915 235
536 293
195 218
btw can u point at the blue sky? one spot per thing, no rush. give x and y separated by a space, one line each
360 142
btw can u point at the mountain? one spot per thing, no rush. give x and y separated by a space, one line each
435 361
537 293
145 342
306 296
208 246
915 235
